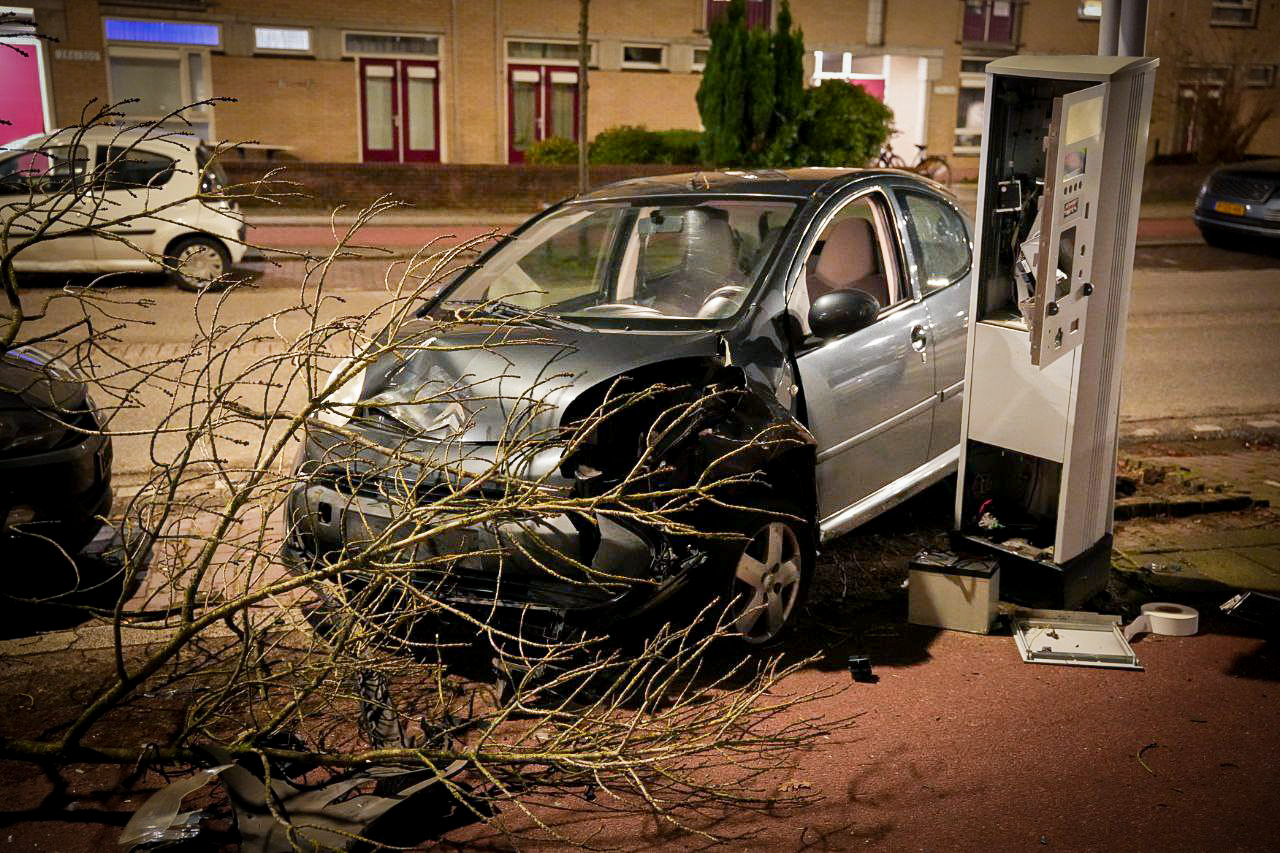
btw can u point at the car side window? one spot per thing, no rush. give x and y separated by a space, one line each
852 252
47 170
939 241
123 168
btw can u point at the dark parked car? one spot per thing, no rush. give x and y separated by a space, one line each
55 487
831 304
1239 205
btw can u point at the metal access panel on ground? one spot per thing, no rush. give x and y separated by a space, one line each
1058 199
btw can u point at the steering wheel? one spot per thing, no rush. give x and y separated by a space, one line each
718 298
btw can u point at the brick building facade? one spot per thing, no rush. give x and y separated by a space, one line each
476 81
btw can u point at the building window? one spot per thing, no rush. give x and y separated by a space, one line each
1089 10
1260 76
988 21
644 56
1234 13
390 44
837 65
159 81
700 55
757 12
970 106
282 39
553 51
163 32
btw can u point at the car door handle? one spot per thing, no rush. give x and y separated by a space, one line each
919 341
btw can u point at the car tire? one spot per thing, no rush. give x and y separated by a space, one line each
767 574
198 264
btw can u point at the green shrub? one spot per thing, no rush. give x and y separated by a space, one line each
842 125
626 144
680 147
553 151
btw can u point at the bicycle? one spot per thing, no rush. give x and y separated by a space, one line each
931 166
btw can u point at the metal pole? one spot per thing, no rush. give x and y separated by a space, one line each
1109 28
584 53
1133 27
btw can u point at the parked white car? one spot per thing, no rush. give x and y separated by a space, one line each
112 200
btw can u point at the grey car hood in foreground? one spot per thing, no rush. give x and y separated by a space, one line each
507 381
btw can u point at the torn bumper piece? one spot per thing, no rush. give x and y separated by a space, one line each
328 817
518 561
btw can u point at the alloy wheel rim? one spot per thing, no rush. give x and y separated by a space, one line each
766 583
200 264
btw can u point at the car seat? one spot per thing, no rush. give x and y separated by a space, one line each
850 260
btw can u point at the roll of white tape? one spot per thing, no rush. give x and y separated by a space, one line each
1170 620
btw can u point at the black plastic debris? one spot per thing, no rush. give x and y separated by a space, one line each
1256 607
860 669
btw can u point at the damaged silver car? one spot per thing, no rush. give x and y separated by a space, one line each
795 336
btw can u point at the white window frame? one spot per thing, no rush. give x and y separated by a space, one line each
188 86
969 80
694 65
1268 76
163 45
1250 6
846 72
439 39
544 60
309 50
639 65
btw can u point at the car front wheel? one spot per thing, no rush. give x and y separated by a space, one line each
770 578
199 263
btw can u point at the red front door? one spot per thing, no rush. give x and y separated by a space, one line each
399 110
542 102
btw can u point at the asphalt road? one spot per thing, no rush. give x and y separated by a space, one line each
1203 334
1203 338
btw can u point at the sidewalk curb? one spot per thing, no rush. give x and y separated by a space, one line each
1177 506
1249 427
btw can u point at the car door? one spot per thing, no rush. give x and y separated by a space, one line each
868 396
128 181
940 251
46 186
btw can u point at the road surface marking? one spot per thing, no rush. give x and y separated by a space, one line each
1206 428
1264 424
1145 432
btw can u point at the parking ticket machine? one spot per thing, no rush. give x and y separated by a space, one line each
1058 198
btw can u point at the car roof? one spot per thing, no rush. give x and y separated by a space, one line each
783 183
146 135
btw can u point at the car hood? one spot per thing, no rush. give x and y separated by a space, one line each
1253 168
39 381
487 383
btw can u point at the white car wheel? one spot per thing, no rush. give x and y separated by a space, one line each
199 264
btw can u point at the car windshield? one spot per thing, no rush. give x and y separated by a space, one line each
631 260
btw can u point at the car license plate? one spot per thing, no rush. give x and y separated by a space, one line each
1234 208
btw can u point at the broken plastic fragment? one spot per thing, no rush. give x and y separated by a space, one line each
157 820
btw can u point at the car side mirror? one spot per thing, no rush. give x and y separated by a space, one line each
842 312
